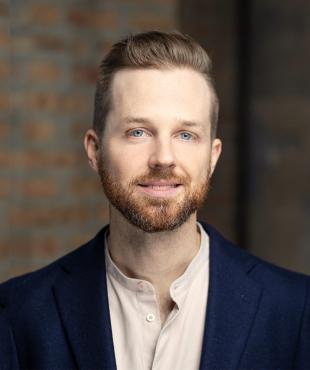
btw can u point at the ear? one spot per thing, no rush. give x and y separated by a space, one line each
216 149
91 145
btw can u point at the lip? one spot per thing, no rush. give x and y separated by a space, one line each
160 183
160 189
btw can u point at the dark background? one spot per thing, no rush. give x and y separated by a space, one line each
51 201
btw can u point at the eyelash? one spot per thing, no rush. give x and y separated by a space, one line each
130 133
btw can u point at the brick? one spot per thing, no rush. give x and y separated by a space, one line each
39 131
44 71
75 104
102 212
45 14
5 102
5 70
4 9
38 159
78 129
86 186
40 101
145 22
79 238
48 42
52 102
80 47
23 45
4 129
5 188
4 40
48 216
92 18
31 247
104 46
85 74
47 247
4 249
37 188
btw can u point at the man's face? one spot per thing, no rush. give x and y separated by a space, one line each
157 156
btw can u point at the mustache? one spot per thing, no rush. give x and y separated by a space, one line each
161 174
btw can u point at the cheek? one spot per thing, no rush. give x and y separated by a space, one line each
195 163
128 157
124 167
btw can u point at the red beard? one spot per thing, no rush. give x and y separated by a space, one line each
148 213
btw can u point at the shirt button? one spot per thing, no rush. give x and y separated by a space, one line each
150 317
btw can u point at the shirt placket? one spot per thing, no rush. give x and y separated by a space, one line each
151 324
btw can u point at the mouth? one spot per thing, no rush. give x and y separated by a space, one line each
160 189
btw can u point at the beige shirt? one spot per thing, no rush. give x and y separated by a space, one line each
140 340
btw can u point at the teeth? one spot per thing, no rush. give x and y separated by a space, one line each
161 187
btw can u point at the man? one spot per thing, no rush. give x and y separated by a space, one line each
155 289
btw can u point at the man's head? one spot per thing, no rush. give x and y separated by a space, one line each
151 50
153 142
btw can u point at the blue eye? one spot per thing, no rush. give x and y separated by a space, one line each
137 133
186 136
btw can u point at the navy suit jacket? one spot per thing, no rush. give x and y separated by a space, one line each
57 318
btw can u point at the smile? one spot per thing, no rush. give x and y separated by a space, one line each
160 190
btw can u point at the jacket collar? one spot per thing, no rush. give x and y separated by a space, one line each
82 300
233 301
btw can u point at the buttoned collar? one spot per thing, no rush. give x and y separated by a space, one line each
178 286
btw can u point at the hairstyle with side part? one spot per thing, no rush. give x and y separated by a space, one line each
153 49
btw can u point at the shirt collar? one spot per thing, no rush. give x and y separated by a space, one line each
179 285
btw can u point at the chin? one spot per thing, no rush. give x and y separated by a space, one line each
159 223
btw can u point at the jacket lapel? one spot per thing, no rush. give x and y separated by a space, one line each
233 301
82 300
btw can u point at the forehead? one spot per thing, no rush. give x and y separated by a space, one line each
180 92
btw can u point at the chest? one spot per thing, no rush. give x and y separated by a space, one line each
158 331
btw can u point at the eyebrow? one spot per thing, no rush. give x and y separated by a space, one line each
131 119
190 123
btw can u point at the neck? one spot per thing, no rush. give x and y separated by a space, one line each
159 257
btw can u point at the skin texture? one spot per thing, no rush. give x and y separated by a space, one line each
157 131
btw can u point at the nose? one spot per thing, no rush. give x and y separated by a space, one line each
162 154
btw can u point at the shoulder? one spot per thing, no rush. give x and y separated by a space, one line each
35 284
275 279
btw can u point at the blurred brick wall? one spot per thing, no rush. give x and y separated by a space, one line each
50 199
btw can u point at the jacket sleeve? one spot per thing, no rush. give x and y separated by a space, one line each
8 358
303 351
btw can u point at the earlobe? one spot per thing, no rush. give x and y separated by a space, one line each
92 165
